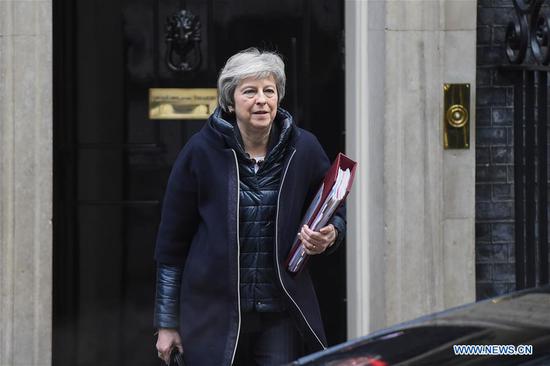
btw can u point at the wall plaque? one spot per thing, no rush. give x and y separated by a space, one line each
167 103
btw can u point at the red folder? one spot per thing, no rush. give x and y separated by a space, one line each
320 206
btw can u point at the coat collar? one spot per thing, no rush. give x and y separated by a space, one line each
221 129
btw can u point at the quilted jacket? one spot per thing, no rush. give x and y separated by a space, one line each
260 290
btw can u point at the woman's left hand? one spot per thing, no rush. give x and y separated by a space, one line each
316 242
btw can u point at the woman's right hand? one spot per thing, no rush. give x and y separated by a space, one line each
166 341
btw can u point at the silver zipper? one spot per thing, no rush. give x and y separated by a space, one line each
238 258
277 251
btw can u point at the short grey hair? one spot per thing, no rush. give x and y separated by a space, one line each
249 63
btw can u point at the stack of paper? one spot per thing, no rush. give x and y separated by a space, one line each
333 200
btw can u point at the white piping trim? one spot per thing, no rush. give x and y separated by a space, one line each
238 258
277 252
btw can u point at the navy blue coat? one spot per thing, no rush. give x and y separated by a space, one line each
199 230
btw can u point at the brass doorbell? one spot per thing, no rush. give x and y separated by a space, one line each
456 116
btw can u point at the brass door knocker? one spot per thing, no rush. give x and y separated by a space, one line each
183 37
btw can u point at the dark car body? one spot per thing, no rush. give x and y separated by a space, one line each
519 319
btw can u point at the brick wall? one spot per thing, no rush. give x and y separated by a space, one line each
494 155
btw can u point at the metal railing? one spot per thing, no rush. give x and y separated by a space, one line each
528 51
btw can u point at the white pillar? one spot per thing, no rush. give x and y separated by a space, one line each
365 70
411 215
25 182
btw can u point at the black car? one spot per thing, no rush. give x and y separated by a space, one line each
508 330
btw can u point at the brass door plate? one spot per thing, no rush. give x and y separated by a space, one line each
182 103
456 116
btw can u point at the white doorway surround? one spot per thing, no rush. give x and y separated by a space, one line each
411 213
26 182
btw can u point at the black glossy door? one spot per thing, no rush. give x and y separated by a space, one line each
112 162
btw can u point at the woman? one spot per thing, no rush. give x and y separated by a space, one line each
233 204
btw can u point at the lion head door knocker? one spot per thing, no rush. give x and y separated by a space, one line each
183 37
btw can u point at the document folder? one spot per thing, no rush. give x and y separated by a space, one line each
332 193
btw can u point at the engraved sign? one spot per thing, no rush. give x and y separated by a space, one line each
168 103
